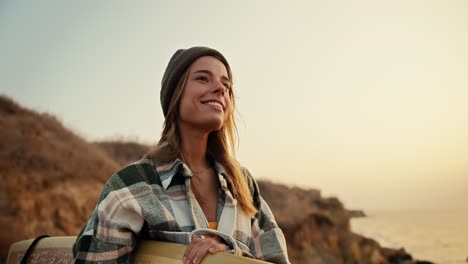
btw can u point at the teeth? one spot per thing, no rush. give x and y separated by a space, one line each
214 103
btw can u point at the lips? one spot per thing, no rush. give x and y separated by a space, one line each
214 102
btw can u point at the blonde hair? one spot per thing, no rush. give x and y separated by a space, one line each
220 146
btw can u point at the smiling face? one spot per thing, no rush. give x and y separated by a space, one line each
206 97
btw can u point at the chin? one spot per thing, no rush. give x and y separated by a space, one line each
214 126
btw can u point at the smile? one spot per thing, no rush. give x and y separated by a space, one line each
214 103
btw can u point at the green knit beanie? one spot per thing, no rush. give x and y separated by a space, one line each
178 64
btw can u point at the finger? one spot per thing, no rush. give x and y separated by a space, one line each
189 250
198 249
201 250
218 248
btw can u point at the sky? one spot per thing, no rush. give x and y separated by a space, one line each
365 100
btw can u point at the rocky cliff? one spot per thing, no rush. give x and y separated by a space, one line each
51 179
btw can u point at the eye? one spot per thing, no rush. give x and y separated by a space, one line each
202 78
227 85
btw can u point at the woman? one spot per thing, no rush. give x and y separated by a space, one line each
189 189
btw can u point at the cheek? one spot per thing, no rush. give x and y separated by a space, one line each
188 100
185 108
193 94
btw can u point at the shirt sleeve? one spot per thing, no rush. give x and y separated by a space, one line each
109 234
268 242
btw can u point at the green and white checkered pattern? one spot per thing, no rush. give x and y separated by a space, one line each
153 200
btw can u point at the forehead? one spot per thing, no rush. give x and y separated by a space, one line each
209 63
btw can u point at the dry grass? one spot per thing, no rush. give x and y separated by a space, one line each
123 152
45 169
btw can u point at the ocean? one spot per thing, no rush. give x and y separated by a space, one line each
440 236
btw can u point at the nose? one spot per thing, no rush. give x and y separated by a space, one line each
220 88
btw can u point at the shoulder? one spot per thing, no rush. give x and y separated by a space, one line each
140 171
253 186
249 179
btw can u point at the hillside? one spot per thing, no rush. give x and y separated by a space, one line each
52 178
123 152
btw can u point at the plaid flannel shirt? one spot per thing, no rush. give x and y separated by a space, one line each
152 200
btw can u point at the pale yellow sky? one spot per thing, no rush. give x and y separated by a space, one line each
362 99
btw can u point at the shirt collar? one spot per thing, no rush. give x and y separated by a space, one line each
177 168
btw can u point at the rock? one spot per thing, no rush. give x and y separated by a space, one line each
356 213
396 255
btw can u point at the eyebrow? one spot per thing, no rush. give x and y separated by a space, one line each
210 73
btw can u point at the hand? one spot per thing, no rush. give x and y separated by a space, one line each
201 246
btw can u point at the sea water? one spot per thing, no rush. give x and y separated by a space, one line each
440 236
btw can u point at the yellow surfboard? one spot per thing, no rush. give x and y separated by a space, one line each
58 250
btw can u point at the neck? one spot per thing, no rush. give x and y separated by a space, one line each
193 147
